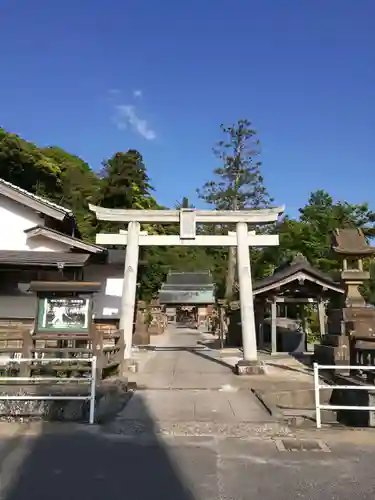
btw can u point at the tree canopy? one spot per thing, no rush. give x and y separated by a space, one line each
237 183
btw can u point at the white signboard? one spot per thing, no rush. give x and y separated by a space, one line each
114 286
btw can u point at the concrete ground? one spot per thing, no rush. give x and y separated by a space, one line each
182 441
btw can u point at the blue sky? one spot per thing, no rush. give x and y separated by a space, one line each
99 76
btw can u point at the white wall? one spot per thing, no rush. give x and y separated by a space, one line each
14 303
107 301
43 244
14 220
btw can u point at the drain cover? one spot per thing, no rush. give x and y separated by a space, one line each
301 445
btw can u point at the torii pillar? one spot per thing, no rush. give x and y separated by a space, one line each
129 287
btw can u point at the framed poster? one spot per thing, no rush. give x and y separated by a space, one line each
59 314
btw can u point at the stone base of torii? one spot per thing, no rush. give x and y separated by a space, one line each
242 238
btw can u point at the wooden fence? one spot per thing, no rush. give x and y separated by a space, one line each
17 341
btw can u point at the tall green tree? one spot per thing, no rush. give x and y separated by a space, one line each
125 184
52 173
238 183
23 164
79 186
311 235
321 216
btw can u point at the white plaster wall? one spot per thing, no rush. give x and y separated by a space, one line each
17 304
14 220
42 244
107 301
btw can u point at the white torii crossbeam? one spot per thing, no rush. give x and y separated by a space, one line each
230 240
242 238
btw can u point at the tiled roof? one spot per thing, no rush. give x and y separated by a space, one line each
182 279
298 265
34 197
50 259
64 238
185 297
186 288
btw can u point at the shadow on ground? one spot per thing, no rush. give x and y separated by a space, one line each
65 461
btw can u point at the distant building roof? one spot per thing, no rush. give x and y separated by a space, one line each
188 288
33 201
196 278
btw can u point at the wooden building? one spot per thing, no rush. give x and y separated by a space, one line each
40 241
193 292
292 285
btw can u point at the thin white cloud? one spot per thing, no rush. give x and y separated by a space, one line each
126 114
114 92
137 93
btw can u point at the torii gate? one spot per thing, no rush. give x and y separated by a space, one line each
188 218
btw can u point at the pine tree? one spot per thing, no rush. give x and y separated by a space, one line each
238 183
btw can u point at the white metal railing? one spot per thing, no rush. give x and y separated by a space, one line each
91 380
318 386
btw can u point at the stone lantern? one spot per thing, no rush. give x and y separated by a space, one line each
351 328
352 247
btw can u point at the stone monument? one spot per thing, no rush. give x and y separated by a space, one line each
157 318
351 327
141 335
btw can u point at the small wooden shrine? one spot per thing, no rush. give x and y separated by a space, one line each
280 300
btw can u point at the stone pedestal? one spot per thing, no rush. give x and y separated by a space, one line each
335 347
141 334
348 329
244 367
141 337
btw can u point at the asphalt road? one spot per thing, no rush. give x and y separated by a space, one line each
76 464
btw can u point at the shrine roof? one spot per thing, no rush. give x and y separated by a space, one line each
351 241
187 296
188 288
298 268
182 280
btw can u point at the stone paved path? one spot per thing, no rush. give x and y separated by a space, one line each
180 363
181 392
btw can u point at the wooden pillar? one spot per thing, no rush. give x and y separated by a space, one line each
246 295
260 319
303 323
222 326
129 287
274 327
322 317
